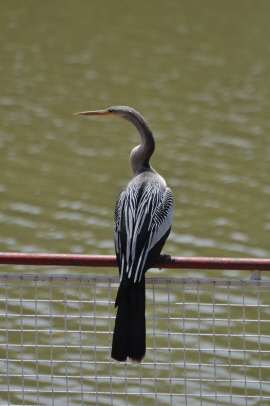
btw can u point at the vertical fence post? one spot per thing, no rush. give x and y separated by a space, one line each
255 275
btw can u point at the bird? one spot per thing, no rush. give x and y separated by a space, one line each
142 222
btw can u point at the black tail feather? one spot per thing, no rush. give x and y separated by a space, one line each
129 339
120 336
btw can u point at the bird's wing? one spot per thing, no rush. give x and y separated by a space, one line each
142 217
119 232
162 218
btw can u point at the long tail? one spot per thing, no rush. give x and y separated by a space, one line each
129 338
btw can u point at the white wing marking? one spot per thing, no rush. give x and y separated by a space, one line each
156 201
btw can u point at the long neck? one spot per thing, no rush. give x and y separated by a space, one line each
141 154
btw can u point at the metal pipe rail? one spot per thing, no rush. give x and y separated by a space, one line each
243 264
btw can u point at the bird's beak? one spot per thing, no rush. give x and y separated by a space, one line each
94 113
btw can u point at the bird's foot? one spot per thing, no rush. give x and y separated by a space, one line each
164 256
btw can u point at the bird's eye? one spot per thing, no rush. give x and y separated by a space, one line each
110 110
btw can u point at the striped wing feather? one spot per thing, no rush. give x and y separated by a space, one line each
143 216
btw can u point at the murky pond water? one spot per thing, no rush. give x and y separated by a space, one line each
199 73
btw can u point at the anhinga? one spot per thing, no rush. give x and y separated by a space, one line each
142 223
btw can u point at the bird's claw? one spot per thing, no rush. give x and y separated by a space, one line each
164 256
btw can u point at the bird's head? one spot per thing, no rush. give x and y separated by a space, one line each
116 111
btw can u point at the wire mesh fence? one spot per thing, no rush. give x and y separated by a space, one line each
208 342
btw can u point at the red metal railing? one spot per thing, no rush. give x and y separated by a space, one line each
16 258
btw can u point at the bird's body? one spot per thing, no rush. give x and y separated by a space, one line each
142 223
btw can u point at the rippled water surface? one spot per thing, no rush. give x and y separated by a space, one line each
199 75
198 72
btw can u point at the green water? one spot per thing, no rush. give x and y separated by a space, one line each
199 74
